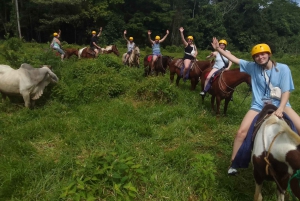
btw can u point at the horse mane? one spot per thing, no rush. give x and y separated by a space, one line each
273 119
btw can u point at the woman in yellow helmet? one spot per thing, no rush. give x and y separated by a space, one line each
94 40
56 45
156 47
130 47
266 75
190 52
221 62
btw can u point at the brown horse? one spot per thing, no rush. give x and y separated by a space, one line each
223 86
110 49
68 52
86 52
194 74
166 60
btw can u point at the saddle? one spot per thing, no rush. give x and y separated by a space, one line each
264 113
179 64
90 51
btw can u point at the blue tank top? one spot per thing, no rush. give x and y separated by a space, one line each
156 48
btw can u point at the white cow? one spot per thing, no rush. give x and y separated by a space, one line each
27 81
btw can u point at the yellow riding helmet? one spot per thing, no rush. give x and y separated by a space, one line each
130 38
190 37
259 48
157 37
93 32
55 34
223 42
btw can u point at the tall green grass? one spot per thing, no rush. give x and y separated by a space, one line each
106 132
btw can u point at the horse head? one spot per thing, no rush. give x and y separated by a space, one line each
115 50
136 51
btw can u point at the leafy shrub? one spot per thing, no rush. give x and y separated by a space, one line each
158 90
101 176
204 169
89 81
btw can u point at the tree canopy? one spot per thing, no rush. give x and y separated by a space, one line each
242 23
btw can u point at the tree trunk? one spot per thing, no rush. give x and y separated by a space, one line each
18 19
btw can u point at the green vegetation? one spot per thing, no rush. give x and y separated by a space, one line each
243 23
105 132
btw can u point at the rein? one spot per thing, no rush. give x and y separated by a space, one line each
297 176
269 166
220 85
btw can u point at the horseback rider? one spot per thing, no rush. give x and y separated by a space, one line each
266 76
190 51
130 46
220 63
94 41
156 47
56 45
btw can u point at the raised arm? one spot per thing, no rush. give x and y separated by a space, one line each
100 31
149 37
59 33
125 32
228 55
182 36
164 38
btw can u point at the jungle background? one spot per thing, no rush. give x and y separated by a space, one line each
242 23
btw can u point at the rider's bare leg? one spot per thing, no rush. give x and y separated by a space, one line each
62 56
97 52
153 60
186 66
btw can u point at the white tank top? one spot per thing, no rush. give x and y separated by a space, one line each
219 63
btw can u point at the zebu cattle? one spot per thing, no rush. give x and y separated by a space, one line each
276 156
27 81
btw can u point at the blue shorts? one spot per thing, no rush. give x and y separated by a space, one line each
60 50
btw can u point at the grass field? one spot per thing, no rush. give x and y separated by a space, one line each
106 132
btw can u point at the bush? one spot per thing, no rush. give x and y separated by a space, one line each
158 90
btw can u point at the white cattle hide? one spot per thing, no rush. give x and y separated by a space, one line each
27 81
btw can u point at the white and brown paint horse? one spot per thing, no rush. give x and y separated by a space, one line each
276 156
134 58
86 53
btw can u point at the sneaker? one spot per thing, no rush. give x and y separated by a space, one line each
202 93
232 171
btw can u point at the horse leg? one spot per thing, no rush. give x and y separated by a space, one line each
193 84
212 102
257 195
218 101
177 80
227 100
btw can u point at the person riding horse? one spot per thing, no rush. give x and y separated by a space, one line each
56 45
220 63
266 76
190 52
156 47
130 47
93 44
